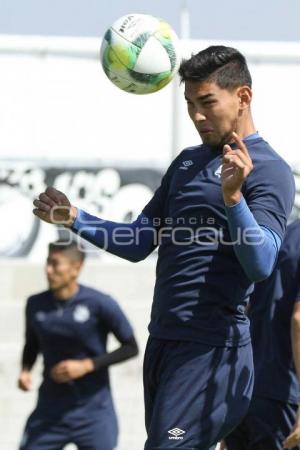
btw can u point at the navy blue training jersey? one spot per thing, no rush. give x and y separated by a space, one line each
74 329
201 289
271 307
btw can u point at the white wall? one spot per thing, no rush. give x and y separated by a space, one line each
56 103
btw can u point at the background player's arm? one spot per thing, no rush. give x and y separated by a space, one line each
72 369
127 350
294 437
29 355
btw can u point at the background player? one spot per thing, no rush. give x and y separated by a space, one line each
218 217
273 420
69 324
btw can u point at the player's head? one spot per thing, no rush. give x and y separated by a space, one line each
64 263
218 92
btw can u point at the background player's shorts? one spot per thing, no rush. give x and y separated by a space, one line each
89 426
265 427
194 393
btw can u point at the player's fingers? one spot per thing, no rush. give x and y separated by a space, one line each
226 149
62 377
59 375
42 206
46 199
227 170
246 160
55 195
60 369
241 145
43 215
235 160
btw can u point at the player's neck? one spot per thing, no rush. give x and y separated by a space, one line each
66 292
246 128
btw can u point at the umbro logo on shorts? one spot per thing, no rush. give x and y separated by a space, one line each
186 164
176 433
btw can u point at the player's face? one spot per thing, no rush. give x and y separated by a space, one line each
214 111
61 270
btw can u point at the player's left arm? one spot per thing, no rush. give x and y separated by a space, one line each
114 319
72 369
293 438
128 349
256 246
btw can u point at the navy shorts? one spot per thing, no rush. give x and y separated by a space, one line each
88 425
265 427
195 394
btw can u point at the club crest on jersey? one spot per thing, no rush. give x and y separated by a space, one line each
186 164
218 171
81 314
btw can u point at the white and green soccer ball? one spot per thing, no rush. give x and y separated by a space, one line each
140 53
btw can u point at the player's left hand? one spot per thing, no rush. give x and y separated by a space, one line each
293 438
237 164
71 369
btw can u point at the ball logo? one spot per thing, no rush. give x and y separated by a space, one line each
125 23
81 314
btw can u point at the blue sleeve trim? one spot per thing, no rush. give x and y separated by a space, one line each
132 241
255 246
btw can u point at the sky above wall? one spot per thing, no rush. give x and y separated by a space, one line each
275 20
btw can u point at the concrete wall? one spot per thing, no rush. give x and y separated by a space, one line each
131 285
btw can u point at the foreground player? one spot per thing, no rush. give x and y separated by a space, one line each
273 419
218 217
68 325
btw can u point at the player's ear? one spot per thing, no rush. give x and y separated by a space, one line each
244 94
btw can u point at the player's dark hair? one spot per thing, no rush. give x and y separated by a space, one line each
70 248
225 66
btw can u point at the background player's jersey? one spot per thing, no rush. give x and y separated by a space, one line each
201 290
271 308
73 329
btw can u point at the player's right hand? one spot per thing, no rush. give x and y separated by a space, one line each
53 206
25 381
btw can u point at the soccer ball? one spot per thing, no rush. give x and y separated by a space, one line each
140 53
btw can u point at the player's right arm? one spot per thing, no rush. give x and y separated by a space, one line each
29 355
132 241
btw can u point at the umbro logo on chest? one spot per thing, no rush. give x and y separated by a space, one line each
186 164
